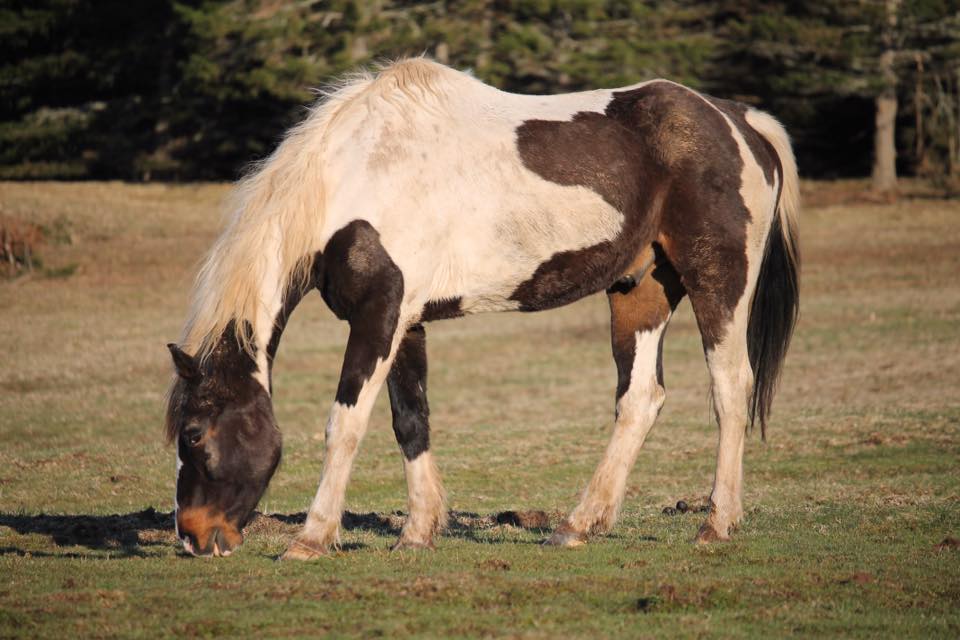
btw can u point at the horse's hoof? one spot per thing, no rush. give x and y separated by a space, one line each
566 537
304 550
708 535
412 545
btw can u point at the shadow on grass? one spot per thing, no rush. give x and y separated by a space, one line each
118 532
131 534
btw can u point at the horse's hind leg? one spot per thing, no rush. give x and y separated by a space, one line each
407 384
639 318
731 386
720 274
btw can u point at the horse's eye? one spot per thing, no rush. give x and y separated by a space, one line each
192 436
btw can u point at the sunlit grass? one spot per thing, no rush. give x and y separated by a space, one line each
846 503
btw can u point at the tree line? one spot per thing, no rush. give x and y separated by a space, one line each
197 89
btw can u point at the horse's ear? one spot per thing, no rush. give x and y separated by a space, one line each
185 364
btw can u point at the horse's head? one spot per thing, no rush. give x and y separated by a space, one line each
228 446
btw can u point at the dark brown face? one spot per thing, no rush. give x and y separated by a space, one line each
228 447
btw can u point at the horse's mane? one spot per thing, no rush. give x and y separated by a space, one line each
279 207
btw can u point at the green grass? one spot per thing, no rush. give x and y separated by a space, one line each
847 503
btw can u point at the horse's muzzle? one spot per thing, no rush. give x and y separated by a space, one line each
204 533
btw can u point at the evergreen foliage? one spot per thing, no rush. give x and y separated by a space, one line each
193 89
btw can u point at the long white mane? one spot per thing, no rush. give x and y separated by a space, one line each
276 217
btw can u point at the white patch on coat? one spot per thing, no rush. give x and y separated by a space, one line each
448 192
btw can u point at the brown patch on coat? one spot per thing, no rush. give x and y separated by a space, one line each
704 223
666 158
643 308
360 283
607 156
407 386
443 309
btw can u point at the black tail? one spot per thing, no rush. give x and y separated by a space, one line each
773 315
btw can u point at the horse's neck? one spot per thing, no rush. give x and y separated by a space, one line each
279 305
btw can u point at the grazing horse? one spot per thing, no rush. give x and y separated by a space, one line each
419 193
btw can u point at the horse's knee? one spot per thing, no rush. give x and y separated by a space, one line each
639 405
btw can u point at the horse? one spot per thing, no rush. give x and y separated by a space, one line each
415 193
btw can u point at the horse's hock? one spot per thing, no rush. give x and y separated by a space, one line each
19 241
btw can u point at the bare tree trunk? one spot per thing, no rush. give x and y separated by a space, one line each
920 148
884 141
956 121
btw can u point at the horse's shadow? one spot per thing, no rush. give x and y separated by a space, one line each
133 534
126 534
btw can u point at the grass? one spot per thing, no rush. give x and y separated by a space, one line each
847 503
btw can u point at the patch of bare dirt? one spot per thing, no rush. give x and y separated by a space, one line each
858 191
860 577
669 596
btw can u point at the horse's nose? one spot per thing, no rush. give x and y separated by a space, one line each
218 544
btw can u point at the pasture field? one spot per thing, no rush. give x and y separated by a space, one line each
853 503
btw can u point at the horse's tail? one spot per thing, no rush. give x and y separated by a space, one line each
776 300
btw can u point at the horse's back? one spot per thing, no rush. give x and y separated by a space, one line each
531 202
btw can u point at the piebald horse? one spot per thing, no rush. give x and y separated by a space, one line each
419 193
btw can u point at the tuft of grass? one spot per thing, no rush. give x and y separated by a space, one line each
61 272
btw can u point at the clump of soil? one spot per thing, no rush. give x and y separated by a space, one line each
524 519
949 544
860 577
694 506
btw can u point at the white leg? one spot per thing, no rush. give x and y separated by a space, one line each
425 503
637 409
732 383
345 430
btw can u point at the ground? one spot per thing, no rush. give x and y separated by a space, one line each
852 505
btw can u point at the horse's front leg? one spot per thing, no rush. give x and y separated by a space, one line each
362 284
360 381
407 384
